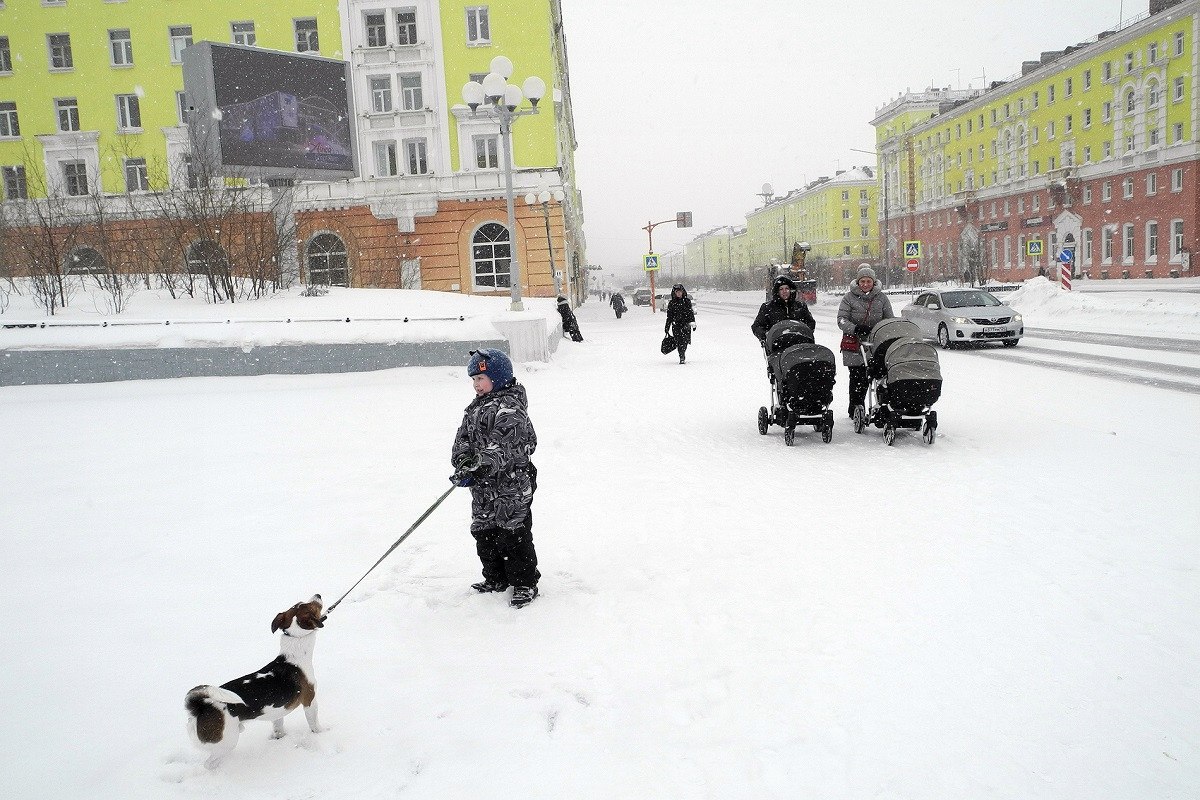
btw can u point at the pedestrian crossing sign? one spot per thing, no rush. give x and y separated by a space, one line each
650 262
1033 247
912 248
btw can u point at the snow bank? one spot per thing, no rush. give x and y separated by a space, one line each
1045 305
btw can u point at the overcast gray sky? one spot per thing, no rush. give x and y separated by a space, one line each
691 105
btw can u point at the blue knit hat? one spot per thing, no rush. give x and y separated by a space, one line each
494 364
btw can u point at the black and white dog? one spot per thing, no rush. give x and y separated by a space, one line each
216 713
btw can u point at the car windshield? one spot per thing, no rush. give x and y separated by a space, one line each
970 299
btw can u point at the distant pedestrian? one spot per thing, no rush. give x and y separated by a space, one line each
491 455
681 320
861 308
617 301
569 323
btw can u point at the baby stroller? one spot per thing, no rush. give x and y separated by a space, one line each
905 381
802 375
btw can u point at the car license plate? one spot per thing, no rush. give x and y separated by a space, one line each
993 329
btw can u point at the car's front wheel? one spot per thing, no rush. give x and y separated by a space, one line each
943 337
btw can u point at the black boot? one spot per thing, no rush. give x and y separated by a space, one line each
489 586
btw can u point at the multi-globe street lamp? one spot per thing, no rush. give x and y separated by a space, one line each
500 100
543 198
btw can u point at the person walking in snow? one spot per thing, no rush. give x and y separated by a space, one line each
617 301
491 455
785 303
681 320
569 323
861 308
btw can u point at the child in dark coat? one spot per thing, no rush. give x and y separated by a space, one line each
491 456
569 323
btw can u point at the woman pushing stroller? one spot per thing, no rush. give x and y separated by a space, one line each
861 308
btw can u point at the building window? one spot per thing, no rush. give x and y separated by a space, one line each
478 28
120 47
10 126
181 108
381 94
410 92
1087 79
180 38
1130 101
1152 137
5 56
1129 62
845 233
491 257
243 33
386 160
376 30
306 35
1050 129
845 213
406 26
1152 241
1176 238
15 186
1127 188
415 152
1127 252
60 51
1177 180
1067 124
1106 149
1179 43
1087 118
1178 93
191 176
328 262
136 179
129 113
1037 167
865 233
1106 245
1153 95
84 261
1106 112
1129 143
485 152
862 194
1177 133
1087 246
68 114
1068 87
1050 93
1106 191
1153 52
845 197
75 181
1037 203
1087 195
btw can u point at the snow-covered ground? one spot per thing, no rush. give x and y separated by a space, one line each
1010 612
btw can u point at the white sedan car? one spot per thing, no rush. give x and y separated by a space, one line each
962 316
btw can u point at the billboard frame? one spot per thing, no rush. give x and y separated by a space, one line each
203 122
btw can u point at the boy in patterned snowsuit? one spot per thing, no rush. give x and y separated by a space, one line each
491 455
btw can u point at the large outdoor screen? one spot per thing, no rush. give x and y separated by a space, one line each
271 114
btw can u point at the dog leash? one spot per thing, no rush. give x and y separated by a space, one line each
395 544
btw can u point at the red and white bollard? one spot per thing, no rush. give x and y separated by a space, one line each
1064 272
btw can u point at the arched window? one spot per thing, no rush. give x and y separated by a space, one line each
491 257
205 257
84 261
328 264
1153 95
1130 101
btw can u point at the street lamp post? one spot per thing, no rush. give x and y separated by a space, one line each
543 199
500 100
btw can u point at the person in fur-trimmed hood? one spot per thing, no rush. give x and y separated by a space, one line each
785 303
491 455
681 320
861 308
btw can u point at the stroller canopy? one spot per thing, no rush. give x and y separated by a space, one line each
787 334
894 328
910 359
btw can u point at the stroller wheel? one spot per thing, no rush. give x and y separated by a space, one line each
763 420
789 436
889 434
860 419
929 433
827 431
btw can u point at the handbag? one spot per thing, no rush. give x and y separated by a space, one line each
668 344
850 343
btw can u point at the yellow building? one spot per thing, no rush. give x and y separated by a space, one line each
91 104
978 175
